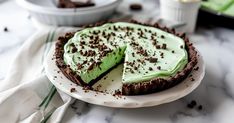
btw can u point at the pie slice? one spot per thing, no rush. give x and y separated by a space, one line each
154 58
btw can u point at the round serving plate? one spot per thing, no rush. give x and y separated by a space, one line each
112 82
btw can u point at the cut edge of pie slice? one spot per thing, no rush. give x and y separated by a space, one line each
148 86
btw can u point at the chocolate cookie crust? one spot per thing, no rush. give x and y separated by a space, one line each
153 85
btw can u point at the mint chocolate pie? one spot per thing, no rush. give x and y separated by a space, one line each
154 58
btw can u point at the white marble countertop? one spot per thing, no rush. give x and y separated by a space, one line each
215 94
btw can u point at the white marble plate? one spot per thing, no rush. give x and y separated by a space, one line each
112 81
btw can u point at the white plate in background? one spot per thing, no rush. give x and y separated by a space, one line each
46 12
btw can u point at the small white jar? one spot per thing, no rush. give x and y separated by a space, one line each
181 11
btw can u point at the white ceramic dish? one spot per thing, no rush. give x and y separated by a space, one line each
181 12
112 81
46 12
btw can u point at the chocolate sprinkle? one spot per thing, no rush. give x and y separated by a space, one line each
164 46
82 42
91 66
153 60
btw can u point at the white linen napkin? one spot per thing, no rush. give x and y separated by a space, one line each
24 92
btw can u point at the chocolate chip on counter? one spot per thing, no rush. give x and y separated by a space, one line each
153 60
136 7
6 29
74 49
162 54
193 102
196 68
190 106
199 107
154 42
91 66
133 55
164 46
72 90
158 47
79 66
